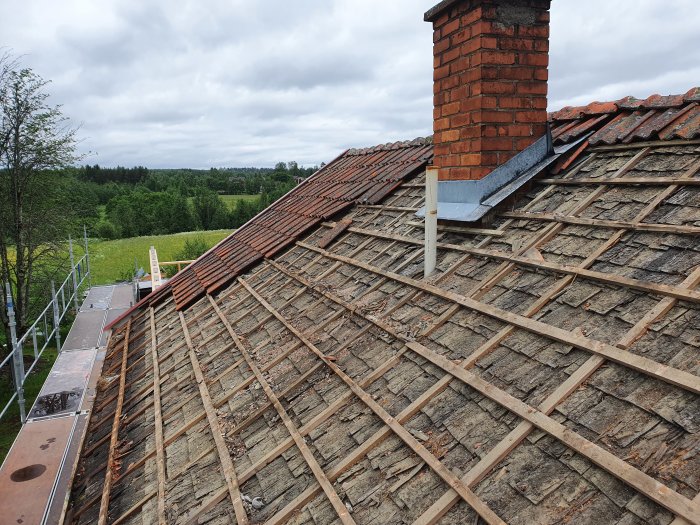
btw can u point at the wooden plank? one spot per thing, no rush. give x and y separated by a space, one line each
114 436
521 431
158 423
460 229
453 481
677 292
227 466
643 483
386 207
616 466
624 181
651 368
320 476
638 226
646 144
337 228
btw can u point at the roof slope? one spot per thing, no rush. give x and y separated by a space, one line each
547 372
365 175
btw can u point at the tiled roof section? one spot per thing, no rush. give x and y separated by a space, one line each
357 176
630 119
550 364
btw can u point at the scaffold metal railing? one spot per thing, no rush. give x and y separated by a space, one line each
44 330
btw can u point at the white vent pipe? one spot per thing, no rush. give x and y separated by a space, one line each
430 254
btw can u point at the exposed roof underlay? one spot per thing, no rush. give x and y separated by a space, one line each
546 373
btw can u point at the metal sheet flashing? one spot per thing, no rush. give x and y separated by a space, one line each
470 200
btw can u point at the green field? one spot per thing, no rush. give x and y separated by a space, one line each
112 261
230 200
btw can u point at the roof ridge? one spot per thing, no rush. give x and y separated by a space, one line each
418 141
655 101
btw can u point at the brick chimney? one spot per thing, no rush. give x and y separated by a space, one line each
490 82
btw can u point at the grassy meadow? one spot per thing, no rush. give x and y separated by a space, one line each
112 261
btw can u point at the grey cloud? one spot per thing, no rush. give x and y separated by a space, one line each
235 82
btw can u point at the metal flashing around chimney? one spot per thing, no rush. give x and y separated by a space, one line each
470 200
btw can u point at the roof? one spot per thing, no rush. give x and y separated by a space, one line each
546 373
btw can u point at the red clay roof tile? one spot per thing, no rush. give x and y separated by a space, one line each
359 175
630 119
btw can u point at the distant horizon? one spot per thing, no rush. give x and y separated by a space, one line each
252 83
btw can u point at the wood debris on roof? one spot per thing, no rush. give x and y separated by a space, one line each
547 374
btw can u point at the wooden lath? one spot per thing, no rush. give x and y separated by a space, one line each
227 466
114 435
651 368
676 292
318 473
446 474
619 468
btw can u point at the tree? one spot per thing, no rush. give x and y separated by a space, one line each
210 210
36 142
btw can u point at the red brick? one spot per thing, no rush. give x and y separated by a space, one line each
441 124
489 102
450 109
496 144
519 44
536 31
516 73
521 144
463 146
450 135
470 132
515 102
441 72
490 158
450 82
443 149
472 16
497 88
541 74
489 42
441 46
497 57
450 55
515 130
460 36
459 65
453 160
460 120
535 59
470 104
450 27
495 116
470 159
486 27
441 20
532 88
471 46
530 116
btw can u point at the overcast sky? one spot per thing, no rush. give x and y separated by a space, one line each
249 83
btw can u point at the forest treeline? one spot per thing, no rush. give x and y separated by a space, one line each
127 202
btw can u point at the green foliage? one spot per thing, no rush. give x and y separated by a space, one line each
40 200
210 210
192 249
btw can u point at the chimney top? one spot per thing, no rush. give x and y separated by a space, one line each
490 82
